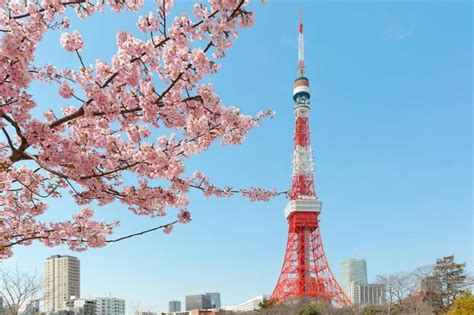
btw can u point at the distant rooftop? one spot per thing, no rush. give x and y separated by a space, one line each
60 256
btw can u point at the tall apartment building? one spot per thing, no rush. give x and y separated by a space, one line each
61 281
110 306
198 301
353 270
367 294
174 306
215 299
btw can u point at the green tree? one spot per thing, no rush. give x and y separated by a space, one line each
310 310
266 304
452 282
371 310
463 305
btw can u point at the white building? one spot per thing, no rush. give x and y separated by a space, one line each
250 305
353 270
29 307
110 306
61 281
367 294
78 306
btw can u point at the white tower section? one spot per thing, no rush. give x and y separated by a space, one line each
303 195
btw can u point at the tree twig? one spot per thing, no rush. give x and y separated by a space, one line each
142 232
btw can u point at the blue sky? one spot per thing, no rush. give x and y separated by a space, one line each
392 138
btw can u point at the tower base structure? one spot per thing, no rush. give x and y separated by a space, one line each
305 272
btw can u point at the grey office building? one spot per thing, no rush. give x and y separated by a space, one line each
174 306
353 270
367 294
215 299
198 301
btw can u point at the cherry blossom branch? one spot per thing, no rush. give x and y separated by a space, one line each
90 147
66 3
80 58
164 226
9 140
38 237
80 112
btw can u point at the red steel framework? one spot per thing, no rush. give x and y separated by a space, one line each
305 272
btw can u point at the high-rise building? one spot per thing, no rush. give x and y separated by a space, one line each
110 306
353 270
367 294
61 281
215 299
198 301
174 306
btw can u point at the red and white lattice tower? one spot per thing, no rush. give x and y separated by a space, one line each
305 272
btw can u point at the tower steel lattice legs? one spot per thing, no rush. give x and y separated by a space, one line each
305 272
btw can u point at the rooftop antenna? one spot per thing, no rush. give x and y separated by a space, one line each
300 46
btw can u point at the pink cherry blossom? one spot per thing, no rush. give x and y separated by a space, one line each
65 90
258 194
168 229
184 216
72 41
110 123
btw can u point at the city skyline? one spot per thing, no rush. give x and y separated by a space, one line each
383 189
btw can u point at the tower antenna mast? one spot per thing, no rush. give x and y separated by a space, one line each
300 46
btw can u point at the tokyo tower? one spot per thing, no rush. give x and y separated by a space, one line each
305 272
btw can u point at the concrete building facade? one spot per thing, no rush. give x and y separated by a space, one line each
249 305
110 306
367 294
198 301
174 306
215 299
61 281
353 270
29 308
76 306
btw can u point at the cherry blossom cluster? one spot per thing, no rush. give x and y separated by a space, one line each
259 194
105 128
199 181
72 41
